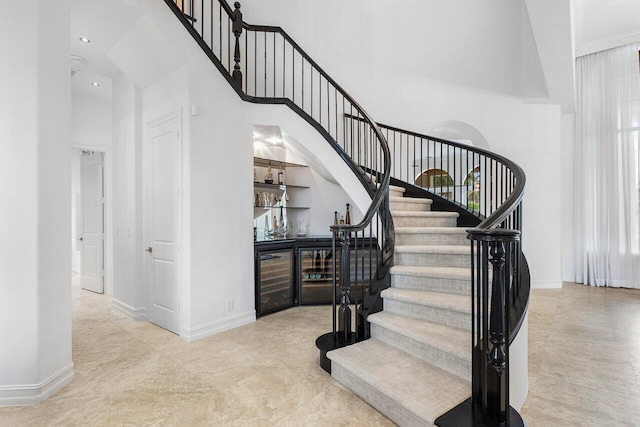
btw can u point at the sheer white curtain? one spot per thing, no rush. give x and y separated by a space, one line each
607 173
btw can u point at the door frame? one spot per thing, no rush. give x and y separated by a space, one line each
107 165
146 206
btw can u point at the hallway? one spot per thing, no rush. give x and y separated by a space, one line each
266 373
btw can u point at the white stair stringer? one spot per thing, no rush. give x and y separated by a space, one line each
417 363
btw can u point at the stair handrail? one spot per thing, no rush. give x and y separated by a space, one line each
368 143
500 275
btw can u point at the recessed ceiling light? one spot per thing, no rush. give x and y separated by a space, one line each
85 40
96 84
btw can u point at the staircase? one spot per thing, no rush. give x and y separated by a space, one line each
417 363
437 312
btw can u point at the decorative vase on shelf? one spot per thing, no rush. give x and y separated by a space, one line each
347 219
280 176
268 178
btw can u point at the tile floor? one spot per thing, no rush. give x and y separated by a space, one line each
584 346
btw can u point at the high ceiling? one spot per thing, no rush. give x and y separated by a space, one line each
104 22
604 24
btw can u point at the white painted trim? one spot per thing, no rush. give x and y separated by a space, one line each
136 313
32 394
546 284
608 43
217 326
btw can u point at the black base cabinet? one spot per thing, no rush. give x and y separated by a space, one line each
299 271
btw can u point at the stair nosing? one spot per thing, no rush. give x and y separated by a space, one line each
434 249
430 230
436 214
416 200
429 299
461 273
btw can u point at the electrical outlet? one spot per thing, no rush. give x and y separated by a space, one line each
229 304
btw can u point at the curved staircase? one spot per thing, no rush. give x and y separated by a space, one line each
436 313
421 338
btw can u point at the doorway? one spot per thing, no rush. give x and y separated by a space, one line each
89 192
162 171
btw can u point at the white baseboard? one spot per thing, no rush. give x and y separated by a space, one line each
139 313
212 328
32 394
546 284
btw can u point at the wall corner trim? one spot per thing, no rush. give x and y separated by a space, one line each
33 394
136 313
217 326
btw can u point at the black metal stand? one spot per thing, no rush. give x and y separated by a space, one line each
462 416
332 341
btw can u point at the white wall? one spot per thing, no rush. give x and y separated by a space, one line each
35 282
462 42
128 285
91 120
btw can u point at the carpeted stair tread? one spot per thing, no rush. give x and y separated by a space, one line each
406 389
410 200
452 340
431 230
452 302
432 214
457 273
434 249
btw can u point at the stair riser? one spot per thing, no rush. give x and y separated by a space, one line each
451 286
412 221
394 193
393 410
407 206
434 314
438 357
432 260
432 239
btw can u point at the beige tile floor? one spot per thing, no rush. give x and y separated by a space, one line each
584 369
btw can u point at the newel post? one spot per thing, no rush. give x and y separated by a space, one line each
237 31
498 374
344 312
491 285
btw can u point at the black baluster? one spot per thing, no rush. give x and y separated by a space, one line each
237 31
344 312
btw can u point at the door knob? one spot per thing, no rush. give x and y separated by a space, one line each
149 249
81 238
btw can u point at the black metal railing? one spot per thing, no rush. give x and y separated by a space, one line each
265 65
491 188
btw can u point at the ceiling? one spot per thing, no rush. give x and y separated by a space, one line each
104 22
604 24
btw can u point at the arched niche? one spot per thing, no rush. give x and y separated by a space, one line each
457 131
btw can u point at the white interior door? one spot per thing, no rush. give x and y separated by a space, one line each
162 192
90 218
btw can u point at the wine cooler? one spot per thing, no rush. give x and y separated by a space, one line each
316 274
275 284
